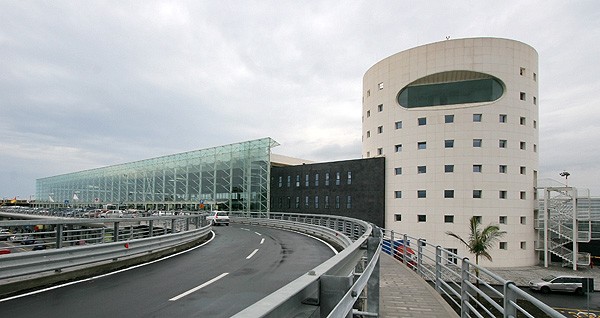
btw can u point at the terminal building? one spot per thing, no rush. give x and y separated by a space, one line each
449 131
457 122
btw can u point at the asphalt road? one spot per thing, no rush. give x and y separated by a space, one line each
240 266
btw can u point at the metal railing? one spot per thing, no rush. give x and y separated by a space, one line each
474 290
346 284
55 244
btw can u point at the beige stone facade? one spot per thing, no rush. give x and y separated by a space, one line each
457 122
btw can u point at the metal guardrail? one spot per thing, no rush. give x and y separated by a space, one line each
68 242
346 284
343 286
463 284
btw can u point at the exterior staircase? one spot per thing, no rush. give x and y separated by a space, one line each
565 225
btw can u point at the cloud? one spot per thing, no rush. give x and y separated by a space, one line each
85 85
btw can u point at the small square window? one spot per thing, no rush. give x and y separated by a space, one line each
422 121
477 218
398 170
523 145
534 77
421 194
534 100
502 143
421 145
477 143
398 194
534 148
534 124
502 168
379 151
502 219
448 168
449 143
380 107
397 217
523 120
522 71
448 194
503 245
398 124
477 194
502 194
477 168
523 195
523 220
368 134
421 169
502 118
523 170
448 218
398 148
368 113
421 218
368 92
380 86
379 129
523 245
477 118
522 96
449 119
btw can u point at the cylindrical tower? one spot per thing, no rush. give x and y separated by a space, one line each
457 122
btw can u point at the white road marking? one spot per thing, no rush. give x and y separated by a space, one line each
245 229
252 254
262 240
107 274
258 233
198 287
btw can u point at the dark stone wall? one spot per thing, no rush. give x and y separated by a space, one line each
366 189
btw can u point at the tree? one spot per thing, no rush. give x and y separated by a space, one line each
480 241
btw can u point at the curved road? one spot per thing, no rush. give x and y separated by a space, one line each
240 266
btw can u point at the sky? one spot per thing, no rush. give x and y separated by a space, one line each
87 84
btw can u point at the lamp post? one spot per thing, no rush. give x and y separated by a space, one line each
566 175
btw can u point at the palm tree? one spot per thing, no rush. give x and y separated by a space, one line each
480 241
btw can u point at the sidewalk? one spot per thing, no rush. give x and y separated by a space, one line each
403 294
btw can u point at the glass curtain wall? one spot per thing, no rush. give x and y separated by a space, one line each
233 177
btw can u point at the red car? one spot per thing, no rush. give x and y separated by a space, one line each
410 256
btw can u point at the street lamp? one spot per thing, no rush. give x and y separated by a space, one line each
566 175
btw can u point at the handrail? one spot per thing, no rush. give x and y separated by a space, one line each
332 288
462 282
88 243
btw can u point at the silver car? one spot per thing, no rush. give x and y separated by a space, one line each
572 284
218 218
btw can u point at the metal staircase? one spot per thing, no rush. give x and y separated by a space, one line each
560 226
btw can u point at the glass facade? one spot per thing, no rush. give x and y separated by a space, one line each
235 177
467 87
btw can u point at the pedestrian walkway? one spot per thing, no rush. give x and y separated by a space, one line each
404 294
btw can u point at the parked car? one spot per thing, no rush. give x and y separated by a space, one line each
39 247
218 218
4 251
4 234
28 240
573 284
411 258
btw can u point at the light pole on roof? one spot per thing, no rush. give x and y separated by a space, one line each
566 175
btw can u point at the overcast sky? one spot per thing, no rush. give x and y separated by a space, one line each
86 84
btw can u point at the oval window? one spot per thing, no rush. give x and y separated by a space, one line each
451 88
